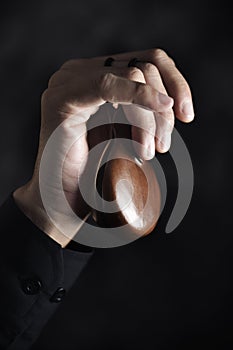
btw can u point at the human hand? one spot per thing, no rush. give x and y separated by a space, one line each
76 91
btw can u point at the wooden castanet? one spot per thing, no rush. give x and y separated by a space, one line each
133 185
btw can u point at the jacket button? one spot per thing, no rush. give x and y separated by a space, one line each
31 286
58 295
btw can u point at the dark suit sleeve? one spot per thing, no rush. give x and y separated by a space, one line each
35 275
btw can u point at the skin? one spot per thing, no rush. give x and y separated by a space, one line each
77 90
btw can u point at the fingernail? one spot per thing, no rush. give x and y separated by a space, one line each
164 99
187 110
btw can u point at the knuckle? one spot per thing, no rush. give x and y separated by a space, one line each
135 74
45 99
105 83
166 121
184 89
44 95
171 61
149 66
53 79
58 78
140 91
68 64
151 69
159 55
49 98
180 86
106 80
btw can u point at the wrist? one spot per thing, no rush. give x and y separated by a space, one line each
28 199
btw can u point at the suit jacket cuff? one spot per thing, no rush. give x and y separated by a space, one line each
36 274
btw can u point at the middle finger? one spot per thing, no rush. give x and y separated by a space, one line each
165 120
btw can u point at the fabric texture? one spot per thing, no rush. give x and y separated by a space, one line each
36 274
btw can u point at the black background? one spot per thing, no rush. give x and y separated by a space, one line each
163 291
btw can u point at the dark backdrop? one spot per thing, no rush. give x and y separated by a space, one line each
163 291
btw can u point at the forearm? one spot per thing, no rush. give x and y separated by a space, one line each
29 201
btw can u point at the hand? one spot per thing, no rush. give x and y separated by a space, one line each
75 92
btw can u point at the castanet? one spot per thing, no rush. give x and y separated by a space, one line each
132 184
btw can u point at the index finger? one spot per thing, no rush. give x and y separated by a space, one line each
117 89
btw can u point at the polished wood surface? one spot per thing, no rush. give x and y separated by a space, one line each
133 185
